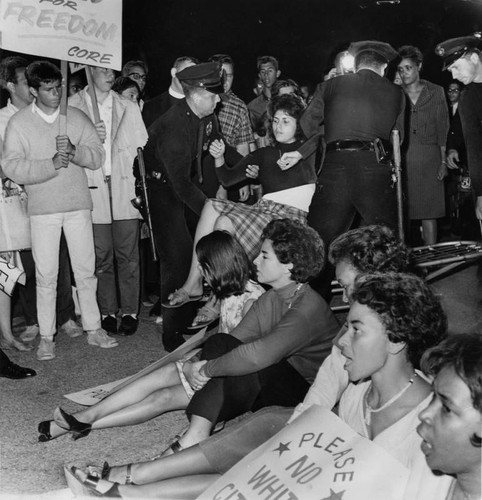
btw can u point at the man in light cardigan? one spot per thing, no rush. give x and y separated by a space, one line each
52 168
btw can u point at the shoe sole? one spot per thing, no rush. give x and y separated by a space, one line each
102 345
46 357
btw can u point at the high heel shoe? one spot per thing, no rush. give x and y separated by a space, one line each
44 431
70 423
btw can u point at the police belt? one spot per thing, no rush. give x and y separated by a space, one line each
349 145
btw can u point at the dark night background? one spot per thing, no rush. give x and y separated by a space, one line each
304 35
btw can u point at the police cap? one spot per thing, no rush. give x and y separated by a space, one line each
381 48
208 76
455 48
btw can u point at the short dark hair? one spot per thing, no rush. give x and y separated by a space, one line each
183 59
462 352
292 105
265 60
221 255
40 72
122 83
298 244
410 52
369 58
222 58
407 307
8 69
127 68
370 249
280 84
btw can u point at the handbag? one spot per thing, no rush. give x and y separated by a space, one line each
14 221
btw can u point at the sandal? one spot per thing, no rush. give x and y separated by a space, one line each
104 472
89 486
181 296
204 317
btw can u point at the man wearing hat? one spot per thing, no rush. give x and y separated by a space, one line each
358 112
463 59
173 157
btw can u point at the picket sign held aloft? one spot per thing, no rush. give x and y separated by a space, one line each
80 31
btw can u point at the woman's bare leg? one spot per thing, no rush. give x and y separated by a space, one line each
208 222
185 488
157 403
131 395
199 429
7 340
190 461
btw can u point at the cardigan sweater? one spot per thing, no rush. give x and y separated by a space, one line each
30 145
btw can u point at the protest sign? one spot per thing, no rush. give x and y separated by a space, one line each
80 31
89 397
316 457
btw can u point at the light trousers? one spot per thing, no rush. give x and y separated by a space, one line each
45 230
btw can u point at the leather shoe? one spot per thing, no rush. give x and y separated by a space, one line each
128 325
11 370
109 324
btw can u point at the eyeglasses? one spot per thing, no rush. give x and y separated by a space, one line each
453 91
138 76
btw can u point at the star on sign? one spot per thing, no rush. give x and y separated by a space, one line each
334 496
283 447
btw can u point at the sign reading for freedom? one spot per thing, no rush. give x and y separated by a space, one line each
79 31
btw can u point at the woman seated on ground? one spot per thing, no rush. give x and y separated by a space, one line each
270 358
287 194
451 426
226 268
393 319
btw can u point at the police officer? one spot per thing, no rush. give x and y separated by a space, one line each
462 58
177 184
358 112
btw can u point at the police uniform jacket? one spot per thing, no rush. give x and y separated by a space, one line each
360 106
470 109
172 150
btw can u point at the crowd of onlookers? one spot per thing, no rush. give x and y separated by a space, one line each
243 201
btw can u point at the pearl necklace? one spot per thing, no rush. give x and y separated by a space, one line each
369 410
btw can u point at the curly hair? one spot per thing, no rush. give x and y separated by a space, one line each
407 307
290 104
222 257
370 249
8 69
462 352
410 52
298 244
